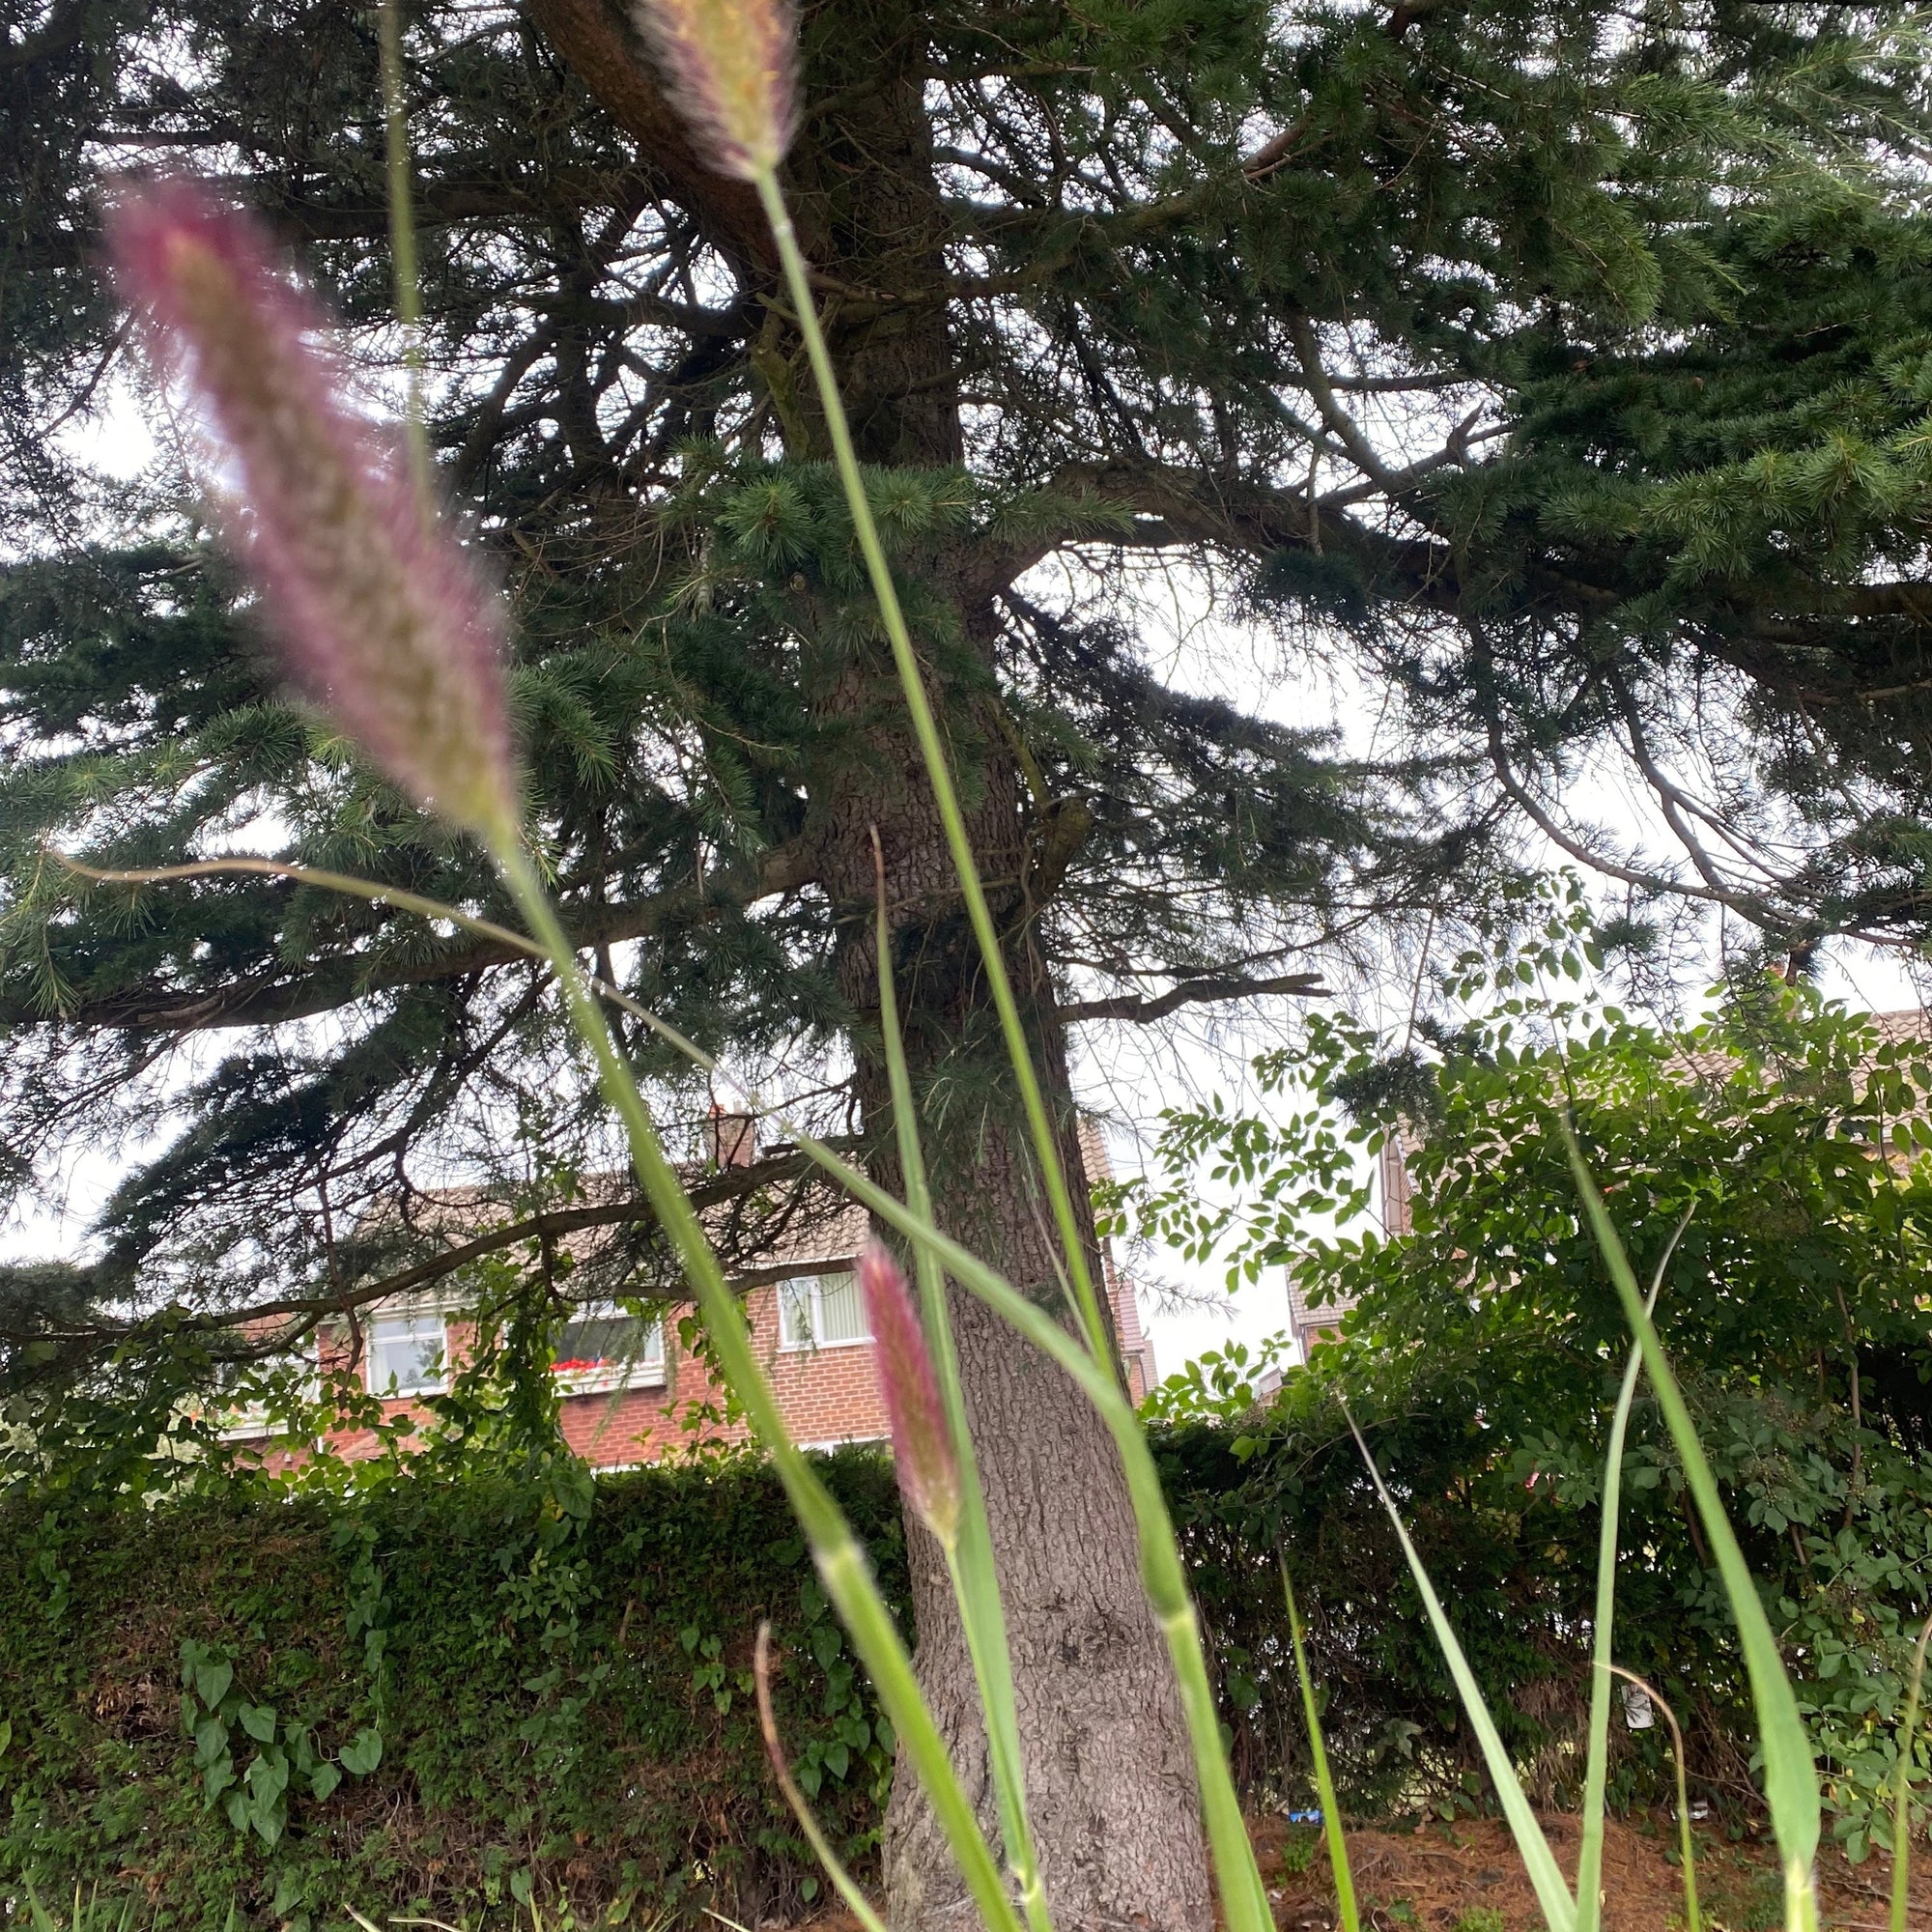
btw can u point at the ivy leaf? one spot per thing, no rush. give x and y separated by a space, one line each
826 1644
259 1721
323 1781
268 1777
211 1741
364 1754
211 1680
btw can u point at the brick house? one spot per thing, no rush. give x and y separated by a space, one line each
631 1389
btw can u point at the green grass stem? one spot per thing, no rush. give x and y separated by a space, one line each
1546 1877
932 751
1790 1776
1325 1783
1590 1849
843 1881
403 238
1901 1819
840 1558
975 1585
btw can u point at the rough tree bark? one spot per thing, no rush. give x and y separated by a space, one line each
1110 1779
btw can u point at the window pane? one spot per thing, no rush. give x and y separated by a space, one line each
842 1311
608 1342
406 1353
796 1327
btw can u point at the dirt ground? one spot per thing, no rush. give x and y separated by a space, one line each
1466 1877
1445 1877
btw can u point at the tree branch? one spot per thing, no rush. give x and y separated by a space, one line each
304 1311
271 999
1210 987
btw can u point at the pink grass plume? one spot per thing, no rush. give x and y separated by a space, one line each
923 1454
380 617
732 67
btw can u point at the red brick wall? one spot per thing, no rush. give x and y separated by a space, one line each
828 1395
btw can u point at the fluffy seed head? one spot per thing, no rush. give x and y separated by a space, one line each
380 617
731 67
922 1455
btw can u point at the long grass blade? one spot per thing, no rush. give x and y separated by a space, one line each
1901 1819
932 751
976 1586
1790 1776
837 1554
1687 1847
1546 1877
1325 1783
1596 1776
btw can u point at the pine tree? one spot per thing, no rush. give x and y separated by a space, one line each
1569 366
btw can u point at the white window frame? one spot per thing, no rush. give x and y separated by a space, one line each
793 1344
249 1421
641 1373
417 1317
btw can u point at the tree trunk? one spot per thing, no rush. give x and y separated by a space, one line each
1110 1779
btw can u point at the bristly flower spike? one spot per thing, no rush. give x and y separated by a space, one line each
380 617
732 67
923 1454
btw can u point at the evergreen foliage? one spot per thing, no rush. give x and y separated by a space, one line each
1562 371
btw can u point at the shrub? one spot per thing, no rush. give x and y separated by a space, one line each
526 1687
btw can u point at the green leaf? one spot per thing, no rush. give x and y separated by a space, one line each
364 1753
211 1741
324 1778
212 1682
268 1777
259 1721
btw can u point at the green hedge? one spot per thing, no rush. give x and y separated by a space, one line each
443 1697
557 1676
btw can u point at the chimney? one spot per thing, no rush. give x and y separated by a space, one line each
730 1140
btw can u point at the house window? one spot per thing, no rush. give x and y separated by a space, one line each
606 1349
406 1354
243 1421
821 1311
